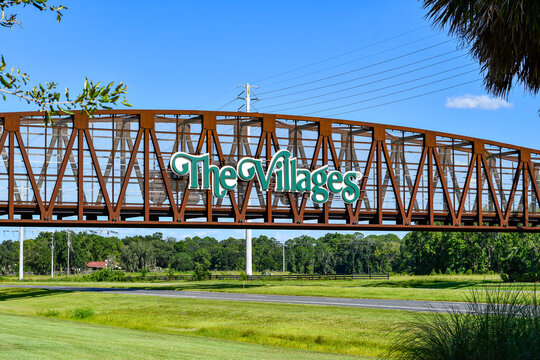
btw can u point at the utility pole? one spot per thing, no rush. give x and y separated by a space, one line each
21 249
284 256
52 255
21 253
249 261
248 97
68 247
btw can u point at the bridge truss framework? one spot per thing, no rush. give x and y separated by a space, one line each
112 170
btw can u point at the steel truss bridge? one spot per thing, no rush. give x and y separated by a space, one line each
112 170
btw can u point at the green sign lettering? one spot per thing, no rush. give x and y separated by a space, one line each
320 183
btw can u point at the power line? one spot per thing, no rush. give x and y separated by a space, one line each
394 93
365 84
352 61
358 69
342 54
407 98
227 104
216 98
379 89
370 75
328 59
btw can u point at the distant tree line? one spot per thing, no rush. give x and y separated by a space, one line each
514 254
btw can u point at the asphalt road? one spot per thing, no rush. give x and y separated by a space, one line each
406 305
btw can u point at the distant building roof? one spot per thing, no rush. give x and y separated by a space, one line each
97 264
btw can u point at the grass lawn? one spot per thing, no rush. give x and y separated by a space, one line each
349 331
30 337
434 288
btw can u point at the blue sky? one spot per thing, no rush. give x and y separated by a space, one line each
191 55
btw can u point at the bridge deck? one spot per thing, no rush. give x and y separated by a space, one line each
113 170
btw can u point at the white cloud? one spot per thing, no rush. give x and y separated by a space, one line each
483 102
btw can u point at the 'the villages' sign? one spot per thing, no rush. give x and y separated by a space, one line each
288 177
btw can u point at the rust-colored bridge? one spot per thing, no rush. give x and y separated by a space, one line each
112 170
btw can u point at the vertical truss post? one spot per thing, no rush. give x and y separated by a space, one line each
80 124
525 158
11 125
479 192
80 184
146 175
146 123
431 190
268 211
268 128
430 143
379 135
478 149
209 196
210 125
325 130
11 176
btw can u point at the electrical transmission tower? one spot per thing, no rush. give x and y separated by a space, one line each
248 97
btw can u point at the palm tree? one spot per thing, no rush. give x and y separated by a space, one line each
504 36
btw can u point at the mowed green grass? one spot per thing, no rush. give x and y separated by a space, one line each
26 337
429 288
349 331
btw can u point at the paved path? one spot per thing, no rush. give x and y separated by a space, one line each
407 305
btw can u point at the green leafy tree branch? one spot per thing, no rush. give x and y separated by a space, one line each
46 97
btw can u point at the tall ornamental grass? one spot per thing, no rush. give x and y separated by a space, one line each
497 324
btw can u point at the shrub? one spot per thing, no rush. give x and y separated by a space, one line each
521 277
497 324
522 263
468 272
106 275
201 273
82 313
170 273
144 271
48 313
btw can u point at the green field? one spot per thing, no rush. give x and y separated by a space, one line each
429 288
51 324
30 337
349 331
